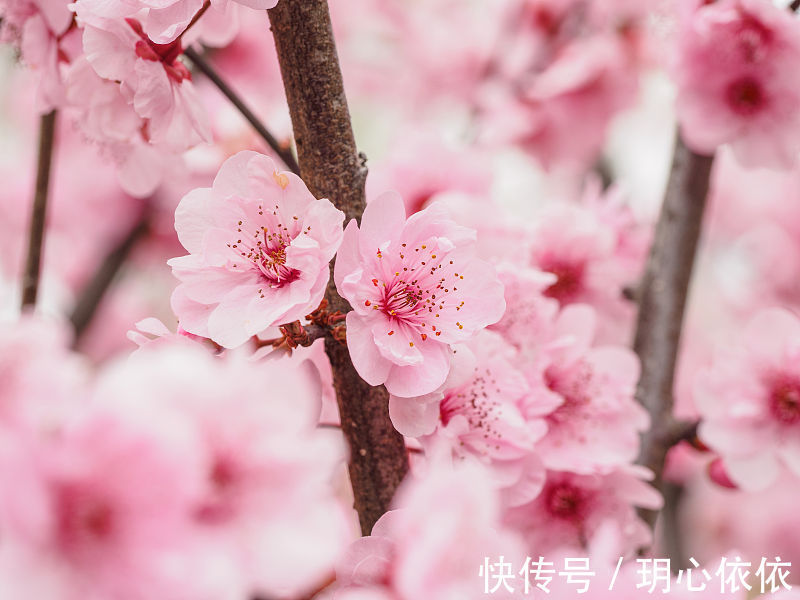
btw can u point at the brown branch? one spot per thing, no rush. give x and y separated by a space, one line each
206 69
332 168
33 260
794 5
94 291
662 299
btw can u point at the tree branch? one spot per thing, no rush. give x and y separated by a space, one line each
662 299
33 261
332 168
206 69
94 291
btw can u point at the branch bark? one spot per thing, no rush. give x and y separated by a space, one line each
33 261
662 300
332 168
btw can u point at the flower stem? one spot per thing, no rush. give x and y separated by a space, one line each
95 290
662 299
32 269
332 168
204 67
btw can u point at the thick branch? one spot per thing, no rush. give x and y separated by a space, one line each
206 69
98 285
332 168
33 261
662 298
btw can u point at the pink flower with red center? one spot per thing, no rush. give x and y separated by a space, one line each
596 423
749 401
264 507
416 288
735 83
259 245
478 416
151 78
99 511
572 508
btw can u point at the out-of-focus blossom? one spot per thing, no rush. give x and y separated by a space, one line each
749 400
165 20
572 508
265 508
259 245
150 76
734 79
416 289
596 423
44 32
411 553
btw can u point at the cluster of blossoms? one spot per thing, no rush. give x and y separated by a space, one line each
172 472
116 69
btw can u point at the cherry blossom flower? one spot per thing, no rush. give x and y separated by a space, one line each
733 73
44 32
416 289
572 508
151 78
749 400
259 245
264 507
596 422
98 512
165 20
478 416
40 380
411 553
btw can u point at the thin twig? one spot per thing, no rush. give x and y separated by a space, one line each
91 295
205 67
332 168
33 261
662 299
794 5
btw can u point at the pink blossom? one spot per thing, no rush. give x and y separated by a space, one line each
164 20
44 32
572 508
596 423
98 512
411 553
416 289
264 509
151 78
734 72
40 380
259 245
478 416
749 400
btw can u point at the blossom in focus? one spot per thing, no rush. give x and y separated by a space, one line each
735 80
416 288
259 245
749 401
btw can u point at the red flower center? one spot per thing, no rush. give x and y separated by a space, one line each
746 96
784 401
